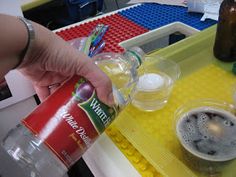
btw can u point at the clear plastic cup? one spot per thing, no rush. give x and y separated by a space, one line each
206 132
155 84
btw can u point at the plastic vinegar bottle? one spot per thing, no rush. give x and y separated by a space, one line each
56 134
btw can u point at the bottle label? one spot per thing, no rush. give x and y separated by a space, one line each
70 120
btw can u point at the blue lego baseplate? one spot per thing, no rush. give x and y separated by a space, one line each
152 16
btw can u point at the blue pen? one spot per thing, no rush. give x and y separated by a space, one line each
99 37
96 31
91 50
98 49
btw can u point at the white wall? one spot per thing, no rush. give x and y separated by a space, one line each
11 7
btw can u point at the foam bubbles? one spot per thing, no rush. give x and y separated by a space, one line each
208 133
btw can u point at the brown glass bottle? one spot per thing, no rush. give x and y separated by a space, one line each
225 40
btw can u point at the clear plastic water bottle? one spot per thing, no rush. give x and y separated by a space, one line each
56 134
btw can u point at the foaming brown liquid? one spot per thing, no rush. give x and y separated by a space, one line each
208 135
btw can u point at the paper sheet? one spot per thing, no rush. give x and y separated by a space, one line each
167 2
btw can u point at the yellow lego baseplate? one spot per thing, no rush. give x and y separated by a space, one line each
209 82
132 154
147 139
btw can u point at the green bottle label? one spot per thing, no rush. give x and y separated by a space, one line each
99 114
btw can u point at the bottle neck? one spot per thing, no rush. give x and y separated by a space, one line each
134 58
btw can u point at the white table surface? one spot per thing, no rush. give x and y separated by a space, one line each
105 160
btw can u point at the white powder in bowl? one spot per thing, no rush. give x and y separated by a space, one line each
150 81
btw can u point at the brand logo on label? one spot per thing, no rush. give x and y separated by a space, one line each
100 114
96 107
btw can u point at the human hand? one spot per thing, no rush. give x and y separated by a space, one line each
51 61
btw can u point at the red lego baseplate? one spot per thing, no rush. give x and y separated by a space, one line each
120 29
